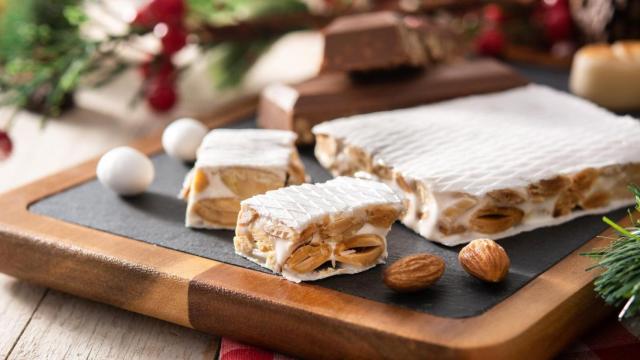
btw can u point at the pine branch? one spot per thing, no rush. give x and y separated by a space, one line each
43 57
230 61
619 283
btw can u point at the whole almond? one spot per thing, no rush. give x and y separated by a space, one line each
485 260
413 272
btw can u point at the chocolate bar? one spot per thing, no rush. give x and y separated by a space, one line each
233 165
491 165
372 41
329 96
314 231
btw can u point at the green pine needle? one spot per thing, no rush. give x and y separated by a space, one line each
229 62
619 283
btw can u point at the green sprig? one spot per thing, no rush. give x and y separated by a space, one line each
619 283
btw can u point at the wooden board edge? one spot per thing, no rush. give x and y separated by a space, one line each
218 304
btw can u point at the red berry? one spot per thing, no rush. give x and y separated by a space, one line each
6 146
555 3
493 13
157 11
144 18
168 11
490 42
174 40
161 93
557 23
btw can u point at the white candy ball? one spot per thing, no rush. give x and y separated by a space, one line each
125 170
182 138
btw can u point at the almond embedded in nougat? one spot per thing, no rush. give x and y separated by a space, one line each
308 258
382 215
219 210
549 187
492 220
200 181
247 182
360 250
506 197
341 227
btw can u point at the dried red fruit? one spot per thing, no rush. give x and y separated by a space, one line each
160 11
174 40
6 146
490 42
168 11
557 23
161 93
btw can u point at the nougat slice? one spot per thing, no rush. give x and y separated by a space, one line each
314 231
491 165
233 165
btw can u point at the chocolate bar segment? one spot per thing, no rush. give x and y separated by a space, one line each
491 165
233 165
371 41
314 231
300 107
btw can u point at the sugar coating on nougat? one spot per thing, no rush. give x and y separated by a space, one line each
314 231
235 164
495 164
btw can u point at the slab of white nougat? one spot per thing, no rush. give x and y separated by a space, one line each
495 164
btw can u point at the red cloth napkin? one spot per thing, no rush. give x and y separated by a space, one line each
611 340
232 350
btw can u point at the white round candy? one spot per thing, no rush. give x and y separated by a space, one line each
125 170
182 138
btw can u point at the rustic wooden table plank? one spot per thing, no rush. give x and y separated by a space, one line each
18 301
67 327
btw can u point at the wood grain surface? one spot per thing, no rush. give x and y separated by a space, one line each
67 327
18 301
305 320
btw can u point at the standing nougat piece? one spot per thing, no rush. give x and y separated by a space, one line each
314 231
233 165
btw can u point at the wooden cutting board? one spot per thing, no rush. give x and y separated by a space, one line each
299 319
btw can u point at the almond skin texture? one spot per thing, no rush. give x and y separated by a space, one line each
485 260
414 272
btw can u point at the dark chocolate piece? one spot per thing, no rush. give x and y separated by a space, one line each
300 107
372 41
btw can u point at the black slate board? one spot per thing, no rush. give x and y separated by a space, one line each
157 217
